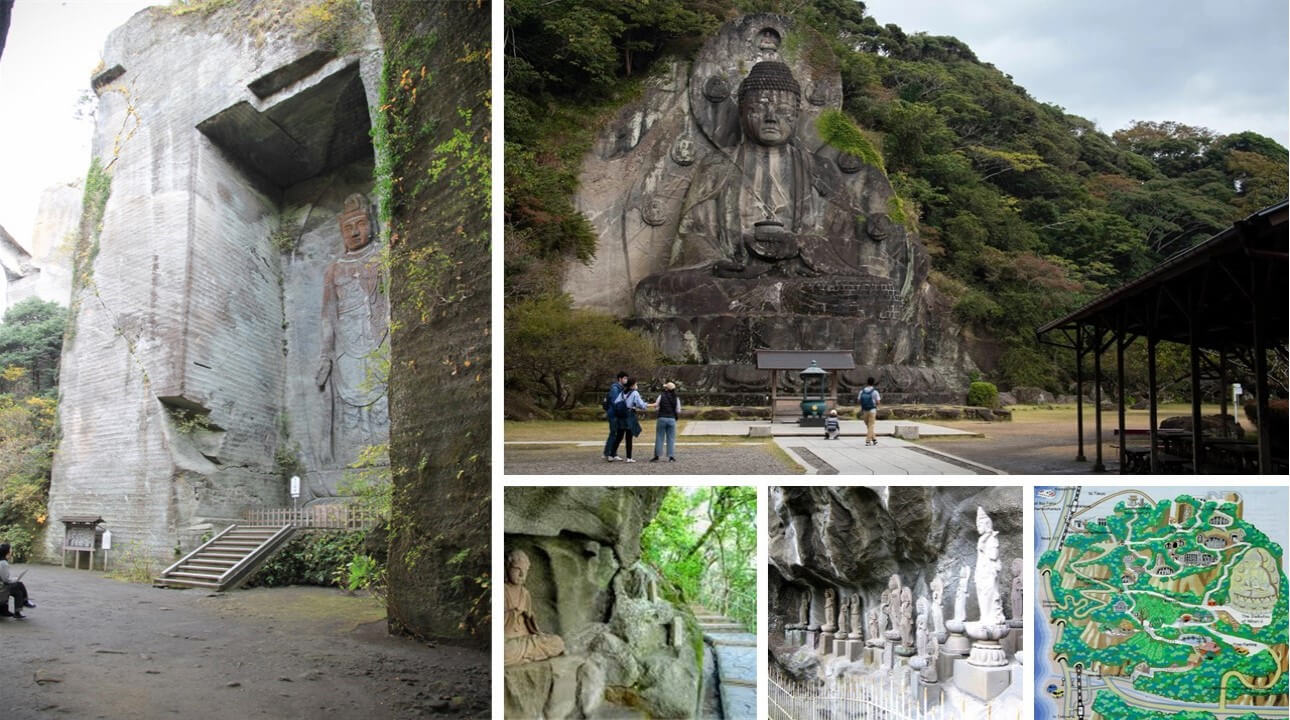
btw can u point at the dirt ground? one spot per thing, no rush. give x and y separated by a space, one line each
101 648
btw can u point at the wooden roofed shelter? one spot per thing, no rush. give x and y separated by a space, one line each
1227 295
797 360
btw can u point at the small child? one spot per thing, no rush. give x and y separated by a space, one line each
831 426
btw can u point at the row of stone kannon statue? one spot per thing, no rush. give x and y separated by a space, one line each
894 635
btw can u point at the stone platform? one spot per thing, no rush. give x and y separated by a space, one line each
850 456
850 428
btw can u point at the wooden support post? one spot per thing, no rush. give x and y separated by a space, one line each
1119 384
1079 391
1261 394
1192 330
1098 466
1222 391
1154 395
774 389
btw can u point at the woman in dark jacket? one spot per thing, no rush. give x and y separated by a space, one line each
17 590
669 409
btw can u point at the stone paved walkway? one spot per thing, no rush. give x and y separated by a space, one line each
891 456
736 661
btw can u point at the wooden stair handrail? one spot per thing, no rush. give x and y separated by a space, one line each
194 552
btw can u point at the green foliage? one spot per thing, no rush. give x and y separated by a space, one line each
31 338
20 542
133 563
333 24
184 7
836 129
704 541
369 481
190 422
98 186
983 394
311 558
555 352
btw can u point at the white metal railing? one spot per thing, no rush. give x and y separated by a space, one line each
323 517
861 697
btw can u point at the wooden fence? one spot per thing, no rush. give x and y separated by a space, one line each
321 517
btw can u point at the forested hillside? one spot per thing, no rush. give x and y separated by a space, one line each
1026 210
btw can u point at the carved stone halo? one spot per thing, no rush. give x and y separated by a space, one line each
683 150
716 89
653 212
849 163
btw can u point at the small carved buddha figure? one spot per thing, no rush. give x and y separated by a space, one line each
524 642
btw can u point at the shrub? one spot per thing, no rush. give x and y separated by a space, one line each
983 394
716 414
554 352
311 558
20 541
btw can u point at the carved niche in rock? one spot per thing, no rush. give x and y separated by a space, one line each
524 641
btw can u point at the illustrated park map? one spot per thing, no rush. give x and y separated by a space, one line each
1161 603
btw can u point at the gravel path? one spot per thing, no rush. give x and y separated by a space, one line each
1030 448
101 648
570 459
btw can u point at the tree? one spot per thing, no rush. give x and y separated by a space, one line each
31 338
557 351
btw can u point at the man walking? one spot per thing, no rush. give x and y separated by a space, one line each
611 397
869 399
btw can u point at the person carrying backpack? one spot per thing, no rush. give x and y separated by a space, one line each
624 410
869 399
611 398
669 408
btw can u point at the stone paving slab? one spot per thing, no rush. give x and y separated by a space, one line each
849 428
891 456
739 703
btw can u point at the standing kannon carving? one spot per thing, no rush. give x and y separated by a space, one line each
355 325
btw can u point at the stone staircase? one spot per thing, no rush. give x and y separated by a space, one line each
734 655
226 560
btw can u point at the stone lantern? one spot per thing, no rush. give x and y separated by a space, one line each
815 399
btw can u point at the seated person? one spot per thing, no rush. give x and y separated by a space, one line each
17 590
832 428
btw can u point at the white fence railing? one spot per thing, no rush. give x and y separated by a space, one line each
864 697
322 517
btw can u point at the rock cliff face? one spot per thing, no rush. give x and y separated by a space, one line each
588 586
189 380
853 539
674 183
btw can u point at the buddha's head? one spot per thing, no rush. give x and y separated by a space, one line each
517 567
769 99
356 222
983 523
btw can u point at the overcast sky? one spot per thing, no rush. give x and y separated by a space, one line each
1220 64
51 48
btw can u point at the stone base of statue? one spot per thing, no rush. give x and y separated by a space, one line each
987 651
957 644
826 642
906 650
1013 642
855 650
928 695
983 683
888 655
812 639
797 638
945 664
547 688
872 656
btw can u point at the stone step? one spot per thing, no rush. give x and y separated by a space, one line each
173 582
741 639
208 577
721 627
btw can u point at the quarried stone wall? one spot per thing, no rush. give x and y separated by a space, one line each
186 312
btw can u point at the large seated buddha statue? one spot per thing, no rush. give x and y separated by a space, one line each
770 208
